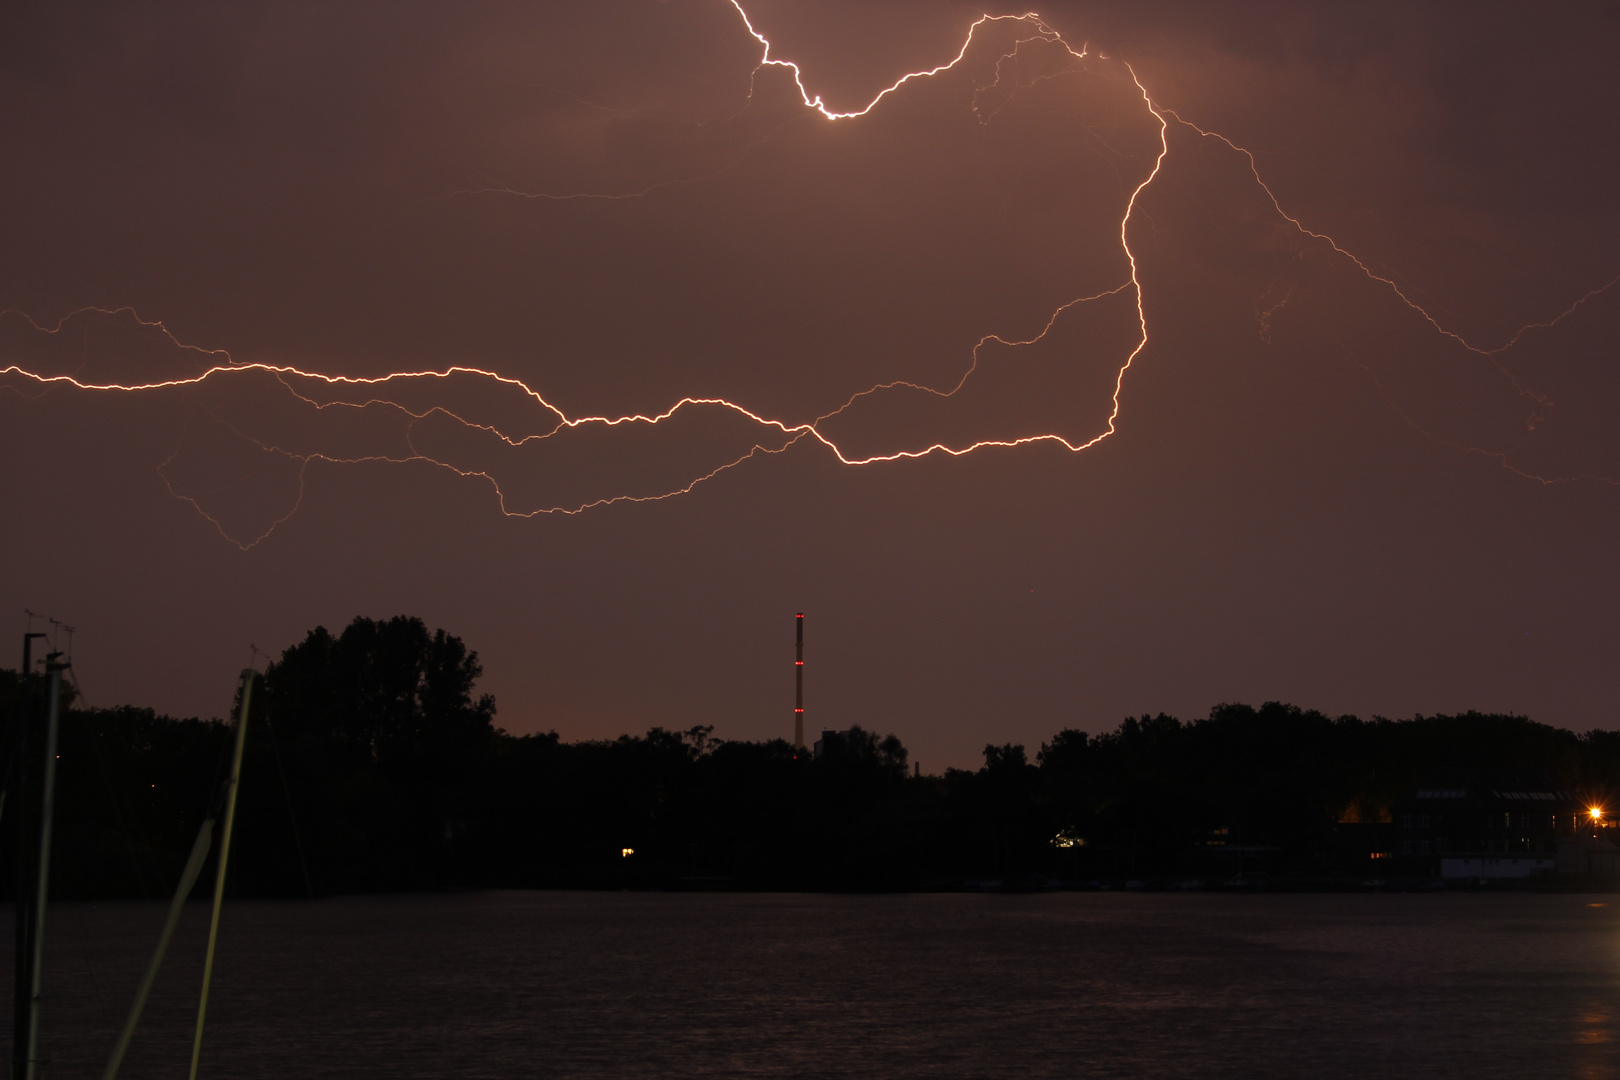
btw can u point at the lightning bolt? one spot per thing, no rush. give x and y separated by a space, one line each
321 391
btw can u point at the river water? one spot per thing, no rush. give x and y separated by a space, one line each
538 984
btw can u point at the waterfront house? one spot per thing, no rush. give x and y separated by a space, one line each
1465 824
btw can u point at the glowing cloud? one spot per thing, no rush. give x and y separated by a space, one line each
396 391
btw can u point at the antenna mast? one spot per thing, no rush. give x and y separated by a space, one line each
798 686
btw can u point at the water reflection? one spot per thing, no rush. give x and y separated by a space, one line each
644 985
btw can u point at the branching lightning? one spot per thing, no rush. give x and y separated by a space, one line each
321 391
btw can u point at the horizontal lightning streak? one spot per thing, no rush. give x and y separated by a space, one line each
224 365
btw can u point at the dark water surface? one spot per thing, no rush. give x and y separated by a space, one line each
674 985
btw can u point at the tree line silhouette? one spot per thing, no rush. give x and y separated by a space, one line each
374 765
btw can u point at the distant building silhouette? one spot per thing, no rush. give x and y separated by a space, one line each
1468 824
824 743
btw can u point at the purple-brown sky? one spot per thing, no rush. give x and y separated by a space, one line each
1322 487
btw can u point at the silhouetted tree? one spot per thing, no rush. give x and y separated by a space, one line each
381 744
372 763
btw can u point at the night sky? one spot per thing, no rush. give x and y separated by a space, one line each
1327 482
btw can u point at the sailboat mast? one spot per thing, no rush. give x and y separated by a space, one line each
47 807
23 946
224 857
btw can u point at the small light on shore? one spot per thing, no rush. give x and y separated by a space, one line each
625 853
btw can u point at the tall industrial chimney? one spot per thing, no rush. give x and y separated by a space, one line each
798 686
